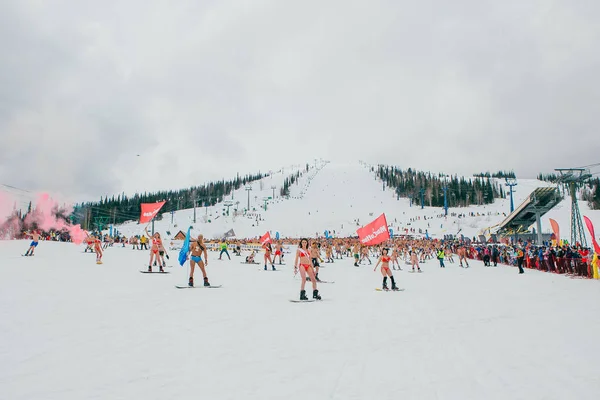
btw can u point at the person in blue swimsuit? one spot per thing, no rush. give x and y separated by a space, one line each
35 238
198 249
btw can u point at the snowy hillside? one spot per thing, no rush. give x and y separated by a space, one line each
341 198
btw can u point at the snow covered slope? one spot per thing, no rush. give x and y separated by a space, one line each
72 330
340 198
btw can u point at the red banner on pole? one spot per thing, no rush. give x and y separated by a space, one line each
374 233
149 210
266 238
590 227
556 230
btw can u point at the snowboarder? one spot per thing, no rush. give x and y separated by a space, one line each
156 244
303 261
198 249
384 260
268 250
98 250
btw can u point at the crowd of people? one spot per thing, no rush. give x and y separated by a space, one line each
308 254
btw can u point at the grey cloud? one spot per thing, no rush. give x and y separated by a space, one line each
203 90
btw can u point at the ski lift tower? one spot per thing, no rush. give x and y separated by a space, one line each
574 178
228 203
511 183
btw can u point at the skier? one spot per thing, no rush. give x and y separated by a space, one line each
384 260
198 249
35 239
303 260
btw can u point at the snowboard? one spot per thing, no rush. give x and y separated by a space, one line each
303 301
269 269
254 263
389 290
198 287
154 272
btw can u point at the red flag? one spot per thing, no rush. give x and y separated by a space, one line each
555 229
149 210
590 227
264 239
374 233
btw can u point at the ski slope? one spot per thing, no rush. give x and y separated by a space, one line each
71 329
342 197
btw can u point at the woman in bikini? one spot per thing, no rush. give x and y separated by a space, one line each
414 260
268 251
394 258
198 249
384 260
156 244
303 259
98 249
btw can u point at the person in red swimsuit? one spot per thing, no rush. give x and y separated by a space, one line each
156 245
98 250
303 259
268 250
384 260
278 253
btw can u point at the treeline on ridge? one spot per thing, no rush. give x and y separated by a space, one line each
461 192
122 208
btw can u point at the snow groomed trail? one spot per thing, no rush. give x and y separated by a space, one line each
71 329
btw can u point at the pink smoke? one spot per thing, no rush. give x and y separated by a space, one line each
78 235
44 214
47 214
6 206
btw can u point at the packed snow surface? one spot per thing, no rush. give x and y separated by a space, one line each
71 329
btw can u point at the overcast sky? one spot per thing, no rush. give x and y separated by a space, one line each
202 90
